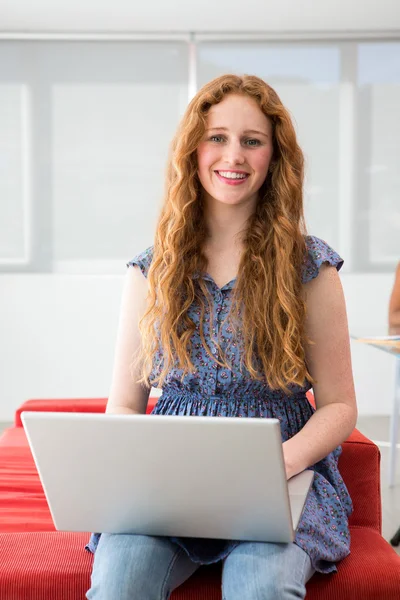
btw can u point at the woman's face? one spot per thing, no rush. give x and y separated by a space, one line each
235 152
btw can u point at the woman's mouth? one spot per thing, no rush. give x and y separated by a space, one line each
232 177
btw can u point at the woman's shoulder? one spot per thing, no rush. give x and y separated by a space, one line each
317 253
142 260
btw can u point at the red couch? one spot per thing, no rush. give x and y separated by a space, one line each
38 562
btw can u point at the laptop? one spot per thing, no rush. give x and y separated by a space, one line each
179 476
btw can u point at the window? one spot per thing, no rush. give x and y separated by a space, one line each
85 129
377 225
14 184
102 117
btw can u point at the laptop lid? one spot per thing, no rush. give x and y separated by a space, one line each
210 477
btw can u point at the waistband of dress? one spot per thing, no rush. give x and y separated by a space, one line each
238 396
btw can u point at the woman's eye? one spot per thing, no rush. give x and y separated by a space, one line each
250 142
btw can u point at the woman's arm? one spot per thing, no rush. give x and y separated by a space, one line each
126 396
394 305
329 362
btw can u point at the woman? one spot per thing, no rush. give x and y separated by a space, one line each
240 312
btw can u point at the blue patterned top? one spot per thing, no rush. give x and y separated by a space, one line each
212 390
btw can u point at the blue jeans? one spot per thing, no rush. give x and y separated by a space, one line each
135 567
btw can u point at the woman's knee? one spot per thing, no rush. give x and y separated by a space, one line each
265 572
266 586
135 567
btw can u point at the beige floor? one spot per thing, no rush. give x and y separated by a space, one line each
377 429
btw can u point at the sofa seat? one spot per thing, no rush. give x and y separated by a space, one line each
52 564
23 505
38 562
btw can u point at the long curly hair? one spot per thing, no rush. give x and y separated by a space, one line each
270 313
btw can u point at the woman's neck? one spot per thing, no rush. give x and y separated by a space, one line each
226 224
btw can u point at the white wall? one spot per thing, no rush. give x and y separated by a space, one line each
208 15
57 337
58 334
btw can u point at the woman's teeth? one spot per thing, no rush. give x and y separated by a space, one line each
229 175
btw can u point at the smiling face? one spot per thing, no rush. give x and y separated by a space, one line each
235 152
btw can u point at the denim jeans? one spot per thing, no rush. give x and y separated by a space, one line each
135 567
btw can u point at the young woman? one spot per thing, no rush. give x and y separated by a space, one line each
241 313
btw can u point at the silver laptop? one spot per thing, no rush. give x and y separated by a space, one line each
207 477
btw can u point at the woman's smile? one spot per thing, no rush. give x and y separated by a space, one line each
232 177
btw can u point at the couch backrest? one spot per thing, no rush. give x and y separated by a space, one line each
89 405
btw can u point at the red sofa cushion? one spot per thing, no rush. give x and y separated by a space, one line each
53 565
23 505
371 571
44 565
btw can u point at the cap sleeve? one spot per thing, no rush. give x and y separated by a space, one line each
142 260
318 253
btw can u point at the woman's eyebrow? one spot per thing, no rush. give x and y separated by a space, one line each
247 131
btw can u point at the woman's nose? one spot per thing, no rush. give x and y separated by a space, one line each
234 153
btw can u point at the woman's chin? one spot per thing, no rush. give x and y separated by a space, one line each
235 199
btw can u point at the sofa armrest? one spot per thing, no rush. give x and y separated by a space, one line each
359 465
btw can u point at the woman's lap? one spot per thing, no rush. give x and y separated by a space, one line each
150 568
